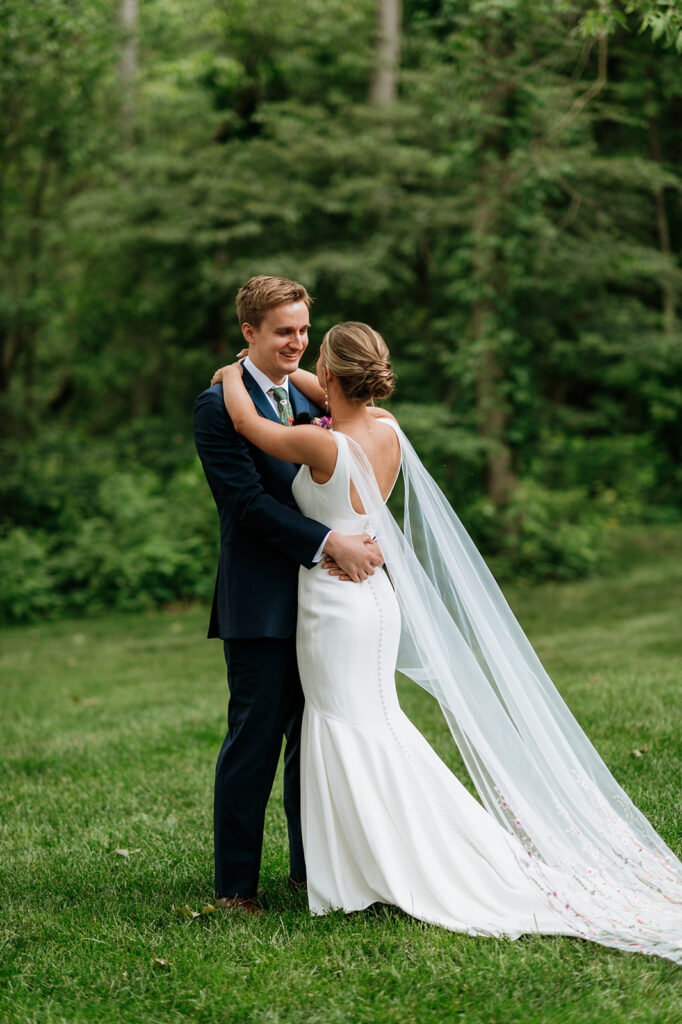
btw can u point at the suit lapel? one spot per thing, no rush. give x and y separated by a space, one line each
299 403
258 397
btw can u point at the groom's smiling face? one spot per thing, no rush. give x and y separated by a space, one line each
277 344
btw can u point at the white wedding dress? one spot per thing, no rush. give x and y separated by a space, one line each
383 818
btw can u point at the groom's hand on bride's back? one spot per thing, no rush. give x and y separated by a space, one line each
351 558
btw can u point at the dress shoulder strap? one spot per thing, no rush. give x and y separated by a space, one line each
342 467
391 422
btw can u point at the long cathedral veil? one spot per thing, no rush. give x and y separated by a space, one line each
595 857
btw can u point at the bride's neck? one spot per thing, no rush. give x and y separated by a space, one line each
345 413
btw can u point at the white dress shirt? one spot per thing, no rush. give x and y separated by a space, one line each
264 383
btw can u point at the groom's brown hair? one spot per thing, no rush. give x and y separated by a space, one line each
262 293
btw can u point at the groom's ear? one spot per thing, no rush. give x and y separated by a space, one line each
247 331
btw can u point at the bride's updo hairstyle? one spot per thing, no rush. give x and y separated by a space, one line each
358 357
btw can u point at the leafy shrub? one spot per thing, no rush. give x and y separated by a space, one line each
84 526
27 583
119 538
145 544
620 470
544 533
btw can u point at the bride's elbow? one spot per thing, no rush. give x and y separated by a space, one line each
238 422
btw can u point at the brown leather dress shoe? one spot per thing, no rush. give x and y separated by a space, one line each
243 904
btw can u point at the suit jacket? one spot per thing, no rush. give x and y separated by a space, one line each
263 536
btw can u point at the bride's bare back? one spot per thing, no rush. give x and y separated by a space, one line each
381 446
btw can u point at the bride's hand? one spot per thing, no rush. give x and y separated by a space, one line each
353 557
224 371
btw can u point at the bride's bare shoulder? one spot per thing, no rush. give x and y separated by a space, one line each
388 454
388 423
380 414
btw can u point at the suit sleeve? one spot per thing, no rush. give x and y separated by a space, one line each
234 479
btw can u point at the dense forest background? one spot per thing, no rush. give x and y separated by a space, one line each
494 185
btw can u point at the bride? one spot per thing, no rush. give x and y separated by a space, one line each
556 846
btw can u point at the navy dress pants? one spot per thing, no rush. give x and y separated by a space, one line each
265 706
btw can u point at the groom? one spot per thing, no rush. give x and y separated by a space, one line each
263 540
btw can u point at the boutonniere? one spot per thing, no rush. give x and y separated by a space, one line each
323 421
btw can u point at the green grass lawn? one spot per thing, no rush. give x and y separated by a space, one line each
109 732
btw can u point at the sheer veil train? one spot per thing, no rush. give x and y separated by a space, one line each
594 856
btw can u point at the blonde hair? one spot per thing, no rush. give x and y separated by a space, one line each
358 356
262 293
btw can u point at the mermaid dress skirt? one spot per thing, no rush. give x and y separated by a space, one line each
384 819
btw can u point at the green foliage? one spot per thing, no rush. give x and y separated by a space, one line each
27 582
616 472
511 223
545 533
102 535
143 544
661 18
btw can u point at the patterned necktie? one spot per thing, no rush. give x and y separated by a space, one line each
286 413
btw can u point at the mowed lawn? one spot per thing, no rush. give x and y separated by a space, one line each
109 732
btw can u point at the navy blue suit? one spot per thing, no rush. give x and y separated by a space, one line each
263 540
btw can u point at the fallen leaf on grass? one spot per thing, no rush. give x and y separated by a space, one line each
187 911
160 963
126 853
638 751
90 702
594 678
184 911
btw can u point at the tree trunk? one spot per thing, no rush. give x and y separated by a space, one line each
490 404
128 63
30 329
663 231
9 350
384 81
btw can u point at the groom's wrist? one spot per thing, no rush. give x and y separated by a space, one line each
329 544
322 549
